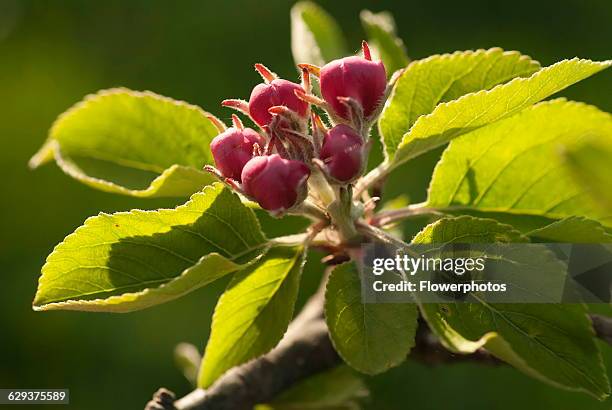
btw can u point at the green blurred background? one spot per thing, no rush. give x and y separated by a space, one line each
53 53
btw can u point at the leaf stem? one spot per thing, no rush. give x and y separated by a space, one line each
311 210
308 238
385 218
289 240
378 234
371 178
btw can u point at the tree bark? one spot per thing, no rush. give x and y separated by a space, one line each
306 350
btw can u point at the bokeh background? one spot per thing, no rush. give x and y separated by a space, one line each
53 53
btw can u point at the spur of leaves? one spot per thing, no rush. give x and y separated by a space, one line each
515 168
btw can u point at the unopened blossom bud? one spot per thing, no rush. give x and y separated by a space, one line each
353 77
275 93
343 153
233 148
277 184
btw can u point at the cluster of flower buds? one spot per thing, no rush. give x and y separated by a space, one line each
272 166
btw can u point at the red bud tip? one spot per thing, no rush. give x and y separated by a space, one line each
239 105
278 110
219 125
311 68
234 184
265 73
237 122
317 123
306 84
213 170
309 98
366 50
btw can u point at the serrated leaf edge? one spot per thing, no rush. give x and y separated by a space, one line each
302 254
470 346
351 363
509 229
155 185
75 304
594 225
449 56
51 149
406 138
493 338
40 157
442 161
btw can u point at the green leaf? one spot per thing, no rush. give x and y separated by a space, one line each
440 78
132 260
468 229
369 337
513 166
187 359
252 315
591 165
574 229
472 111
337 389
551 342
316 38
133 143
382 38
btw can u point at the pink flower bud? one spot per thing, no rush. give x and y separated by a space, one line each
354 77
277 184
342 153
276 92
233 148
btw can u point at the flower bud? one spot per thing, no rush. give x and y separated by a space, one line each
342 153
274 93
233 148
353 77
277 184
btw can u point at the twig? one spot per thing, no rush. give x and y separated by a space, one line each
429 350
306 350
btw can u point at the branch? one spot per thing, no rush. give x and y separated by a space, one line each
304 351
429 350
